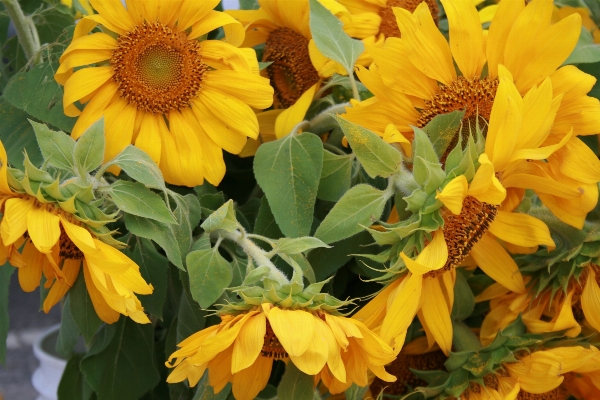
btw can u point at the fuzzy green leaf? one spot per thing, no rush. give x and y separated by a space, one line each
57 147
377 157
442 129
139 166
223 218
335 176
135 198
586 51
298 245
89 148
288 170
330 38
162 234
295 384
69 332
210 274
360 207
153 267
82 309
5 272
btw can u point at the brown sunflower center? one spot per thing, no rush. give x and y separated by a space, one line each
272 347
291 72
463 231
407 380
557 394
68 249
158 69
389 27
475 96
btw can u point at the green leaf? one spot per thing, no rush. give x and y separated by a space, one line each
223 218
330 38
295 384
188 214
57 147
69 332
139 166
427 169
464 300
209 274
82 309
125 368
326 261
162 234
5 272
586 51
153 267
442 129
376 156
72 381
355 392
360 207
335 176
288 170
204 391
89 148
36 92
190 318
134 198
265 224
298 245
17 135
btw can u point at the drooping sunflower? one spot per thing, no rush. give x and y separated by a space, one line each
180 99
375 18
242 348
56 244
283 28
415 80
475 214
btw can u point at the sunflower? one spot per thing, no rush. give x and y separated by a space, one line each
56 244
296 62
179 99
538 375
475 214
548 311
588 22
375 18
415 80
242 348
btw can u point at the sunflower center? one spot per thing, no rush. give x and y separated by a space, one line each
389 27
556 394
407 380
291 72
68 249
272 347
463 231
475 96
158 69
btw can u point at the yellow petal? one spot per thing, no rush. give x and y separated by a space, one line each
313 360
251 89
149 138
119 122
393 135
249 343
234 31
502 23
538 372
436 313
521 229
80 236
590 300
193 11
114 11
221 55
43 228
374 311
466 37
219 131
433 256
403 308
428 49
105 313
293 328
485 186
59 289
579 161
14 221
497 264
4 188
94 110
81 84
31 273
454 193
291 117
250 381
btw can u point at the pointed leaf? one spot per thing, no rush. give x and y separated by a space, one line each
89 148
209 274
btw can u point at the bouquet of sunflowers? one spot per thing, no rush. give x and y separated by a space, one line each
306 199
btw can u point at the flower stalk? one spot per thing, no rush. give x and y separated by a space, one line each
26 31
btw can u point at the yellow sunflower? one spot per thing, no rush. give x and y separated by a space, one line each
588 22
415 79
179 99
283 27
242 348
547 312
375 18
475 214
56 244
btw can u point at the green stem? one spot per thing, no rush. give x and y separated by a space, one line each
334 149
354 87
26 31
254 252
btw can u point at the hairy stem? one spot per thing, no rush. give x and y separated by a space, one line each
26 31
256 253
